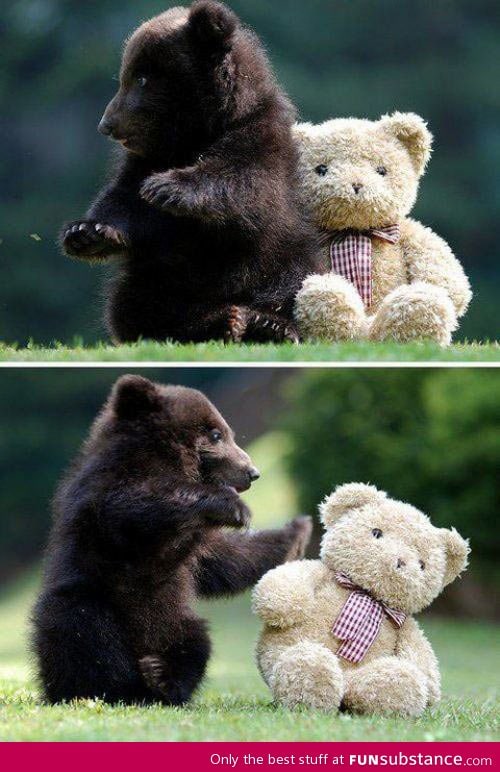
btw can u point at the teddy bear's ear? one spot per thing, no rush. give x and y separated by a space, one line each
212 24
302 131
133 396
345 497
411 130
457 553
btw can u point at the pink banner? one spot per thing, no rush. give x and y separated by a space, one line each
211 756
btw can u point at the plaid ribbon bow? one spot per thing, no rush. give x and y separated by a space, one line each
351 256
358 623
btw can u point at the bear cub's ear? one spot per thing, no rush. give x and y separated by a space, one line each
346 497
212 24
411 130
457 554
134 396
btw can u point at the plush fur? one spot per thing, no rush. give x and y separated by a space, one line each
299 603
140 531
368 177
202 217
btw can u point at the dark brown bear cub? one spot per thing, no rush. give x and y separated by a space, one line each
202 216
140 530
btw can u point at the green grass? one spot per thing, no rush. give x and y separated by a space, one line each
148 351
234 703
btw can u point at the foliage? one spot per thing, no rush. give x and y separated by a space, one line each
463 454
234 703
431 437
59 60
150 351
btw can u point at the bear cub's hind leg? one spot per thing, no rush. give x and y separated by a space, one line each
174 675
308 674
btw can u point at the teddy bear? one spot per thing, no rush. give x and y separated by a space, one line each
339 631
387 275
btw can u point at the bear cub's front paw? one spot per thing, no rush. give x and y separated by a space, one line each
227 509
86 238
301 529
165 191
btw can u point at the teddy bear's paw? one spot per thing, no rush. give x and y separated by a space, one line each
387 685
308 674
329 308
417 311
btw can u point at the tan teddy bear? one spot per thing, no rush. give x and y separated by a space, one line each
339 630
389 276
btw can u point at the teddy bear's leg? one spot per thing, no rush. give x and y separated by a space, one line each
414 312
387 685
328 307
308 674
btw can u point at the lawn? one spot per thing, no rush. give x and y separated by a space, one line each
148 351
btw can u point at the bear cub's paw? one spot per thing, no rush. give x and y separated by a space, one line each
169 191
301 528
152 671
227 509
87 238
236 324
263 327
253 326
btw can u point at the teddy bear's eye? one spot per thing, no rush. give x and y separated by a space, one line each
421 564
381 170
377 533
321 170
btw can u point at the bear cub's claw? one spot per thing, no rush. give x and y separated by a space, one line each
302 528
229 510
236 324
86 238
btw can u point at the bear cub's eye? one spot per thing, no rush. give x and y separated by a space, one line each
321 170
377 533
381 170
141 80
215 435
421 564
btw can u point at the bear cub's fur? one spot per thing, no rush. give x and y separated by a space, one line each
201 217
140 530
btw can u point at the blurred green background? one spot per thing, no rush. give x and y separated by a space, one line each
351 57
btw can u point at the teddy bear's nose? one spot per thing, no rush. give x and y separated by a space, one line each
357 187
401 563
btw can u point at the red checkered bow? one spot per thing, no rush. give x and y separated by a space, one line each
351 256
358 623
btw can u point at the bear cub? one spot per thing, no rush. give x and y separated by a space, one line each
202 217
148 518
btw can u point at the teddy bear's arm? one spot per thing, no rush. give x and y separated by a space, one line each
429 259
412 645
283 597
